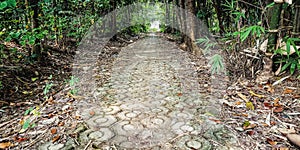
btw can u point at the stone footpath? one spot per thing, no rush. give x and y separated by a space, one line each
151 102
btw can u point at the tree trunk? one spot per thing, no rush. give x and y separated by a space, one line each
36 49
113 17
296 28
274 15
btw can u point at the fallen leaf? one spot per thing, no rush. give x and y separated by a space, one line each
288 91
50 100
238 103
251 126
77 117
294 138
278 109
246 123
244 115
179 94
56 138
5 145
53 130
249 105
61 124
276 102
51 115
92 113
268 105
257 95
250 132
273 123
296 96
216 120
242 96
20 139
271 142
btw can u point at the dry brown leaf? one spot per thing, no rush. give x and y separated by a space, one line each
50 100
273 123
242 96
92 113
56 138
268 105
179 94
288 91
278 109
245 115
20 139
61 124
6 145
271 142
53 130
294 138
276 102
238 103
296 96
251 132
251 126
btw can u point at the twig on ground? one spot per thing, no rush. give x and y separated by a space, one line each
88 144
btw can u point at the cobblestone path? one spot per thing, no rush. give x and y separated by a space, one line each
152 102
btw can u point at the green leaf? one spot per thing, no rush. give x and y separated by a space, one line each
28 111
293 68
285 66
246 123
8 39
288 47
34 79
3 5
32 40
26 124
270 5
11 3
33 125
217 64
245 34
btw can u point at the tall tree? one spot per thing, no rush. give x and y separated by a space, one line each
274 18
34 4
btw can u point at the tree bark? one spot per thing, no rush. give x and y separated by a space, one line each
296 28
36 49
274 15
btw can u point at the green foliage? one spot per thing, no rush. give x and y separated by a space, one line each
216 61
72 81
207 44
47 87
217 65
7 4
1 86
291 61
27 123
233 10
136 29
256 31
